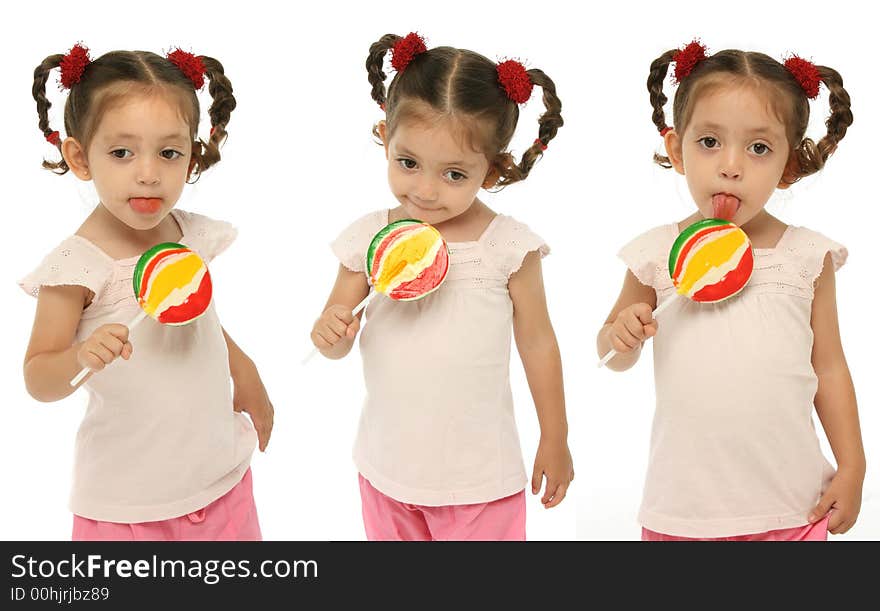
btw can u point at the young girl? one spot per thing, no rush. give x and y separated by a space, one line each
437 447
162 452
733 450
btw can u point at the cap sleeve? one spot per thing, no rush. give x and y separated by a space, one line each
510 241
646 256
208 237
350 247
74 262
810 247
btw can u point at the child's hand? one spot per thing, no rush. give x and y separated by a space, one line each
103 346
843 499
553 461
335 323
250 396
633 325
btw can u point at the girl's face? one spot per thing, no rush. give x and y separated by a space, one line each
734 146
433 174
139 159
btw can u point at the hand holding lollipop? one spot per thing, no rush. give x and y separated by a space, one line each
710 261
171 284
406 260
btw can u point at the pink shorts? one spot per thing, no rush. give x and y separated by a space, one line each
232 517
817 531
388 520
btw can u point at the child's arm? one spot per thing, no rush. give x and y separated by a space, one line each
249 394
539 352
629 324
836 406
334 331
52 357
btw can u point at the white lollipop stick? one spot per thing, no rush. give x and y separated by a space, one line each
612 353
354 312
85 370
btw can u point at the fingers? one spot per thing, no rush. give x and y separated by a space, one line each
537 472
643 312
353 328
120 332
323 338
635 327
342 314
335 323
622 340
264 426
821 509
559 491
837 522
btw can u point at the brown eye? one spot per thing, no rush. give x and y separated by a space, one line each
708 142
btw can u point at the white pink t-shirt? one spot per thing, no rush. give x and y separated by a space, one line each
437 426
733 447
159 438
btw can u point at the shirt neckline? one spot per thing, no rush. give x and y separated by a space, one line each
125 260
783 238
466 243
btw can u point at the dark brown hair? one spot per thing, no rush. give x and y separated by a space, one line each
762 71
464 84
119 73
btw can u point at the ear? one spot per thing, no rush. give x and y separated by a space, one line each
673 150
382 128
195 156
75 157
492 176
789 174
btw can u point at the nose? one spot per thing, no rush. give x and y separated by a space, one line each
147 173
425 189
731 165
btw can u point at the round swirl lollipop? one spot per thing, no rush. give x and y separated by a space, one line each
406 260
171 284
710 261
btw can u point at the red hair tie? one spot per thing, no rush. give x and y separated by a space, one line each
543 146
53 138
73 64
516 82
191 66
665 131
405 49
688 57
806 73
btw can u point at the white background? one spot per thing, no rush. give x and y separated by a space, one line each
300 164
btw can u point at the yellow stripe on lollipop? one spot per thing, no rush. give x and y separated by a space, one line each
408 258
706 257
171 277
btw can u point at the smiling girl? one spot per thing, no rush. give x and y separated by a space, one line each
437 447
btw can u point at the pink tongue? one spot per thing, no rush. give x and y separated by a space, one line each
724 206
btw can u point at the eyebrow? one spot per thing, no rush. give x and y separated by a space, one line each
177 136
404 151
753 131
